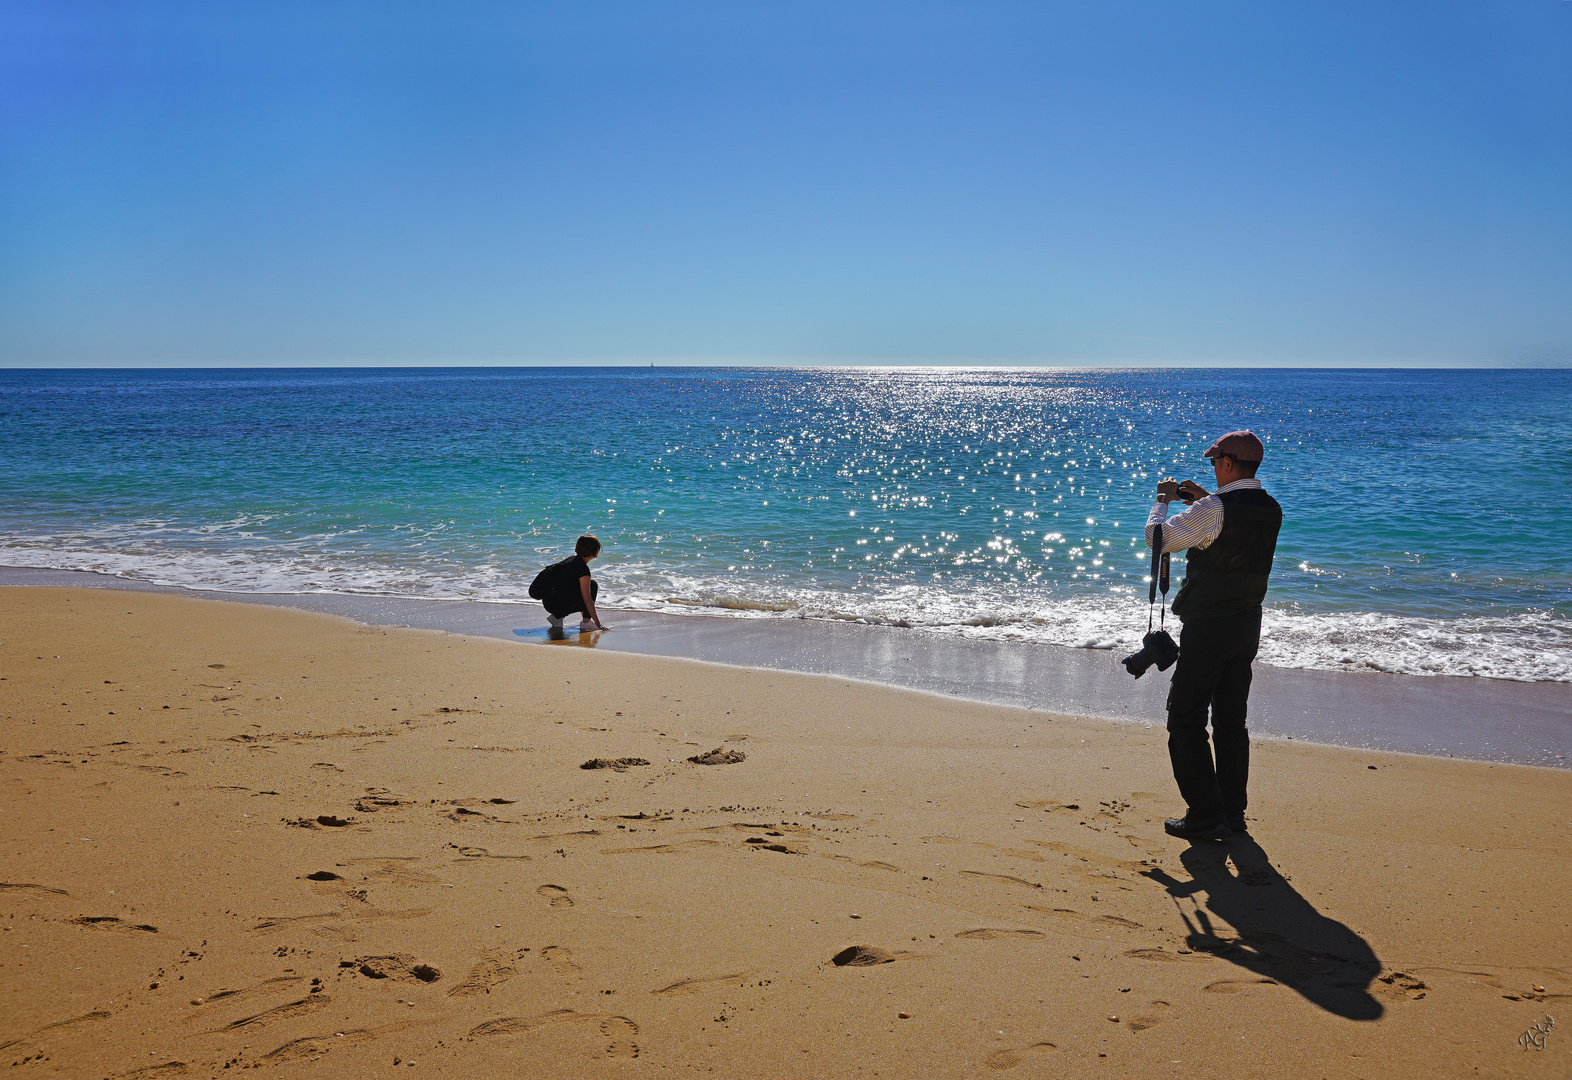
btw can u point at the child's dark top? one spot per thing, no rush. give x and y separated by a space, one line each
562 579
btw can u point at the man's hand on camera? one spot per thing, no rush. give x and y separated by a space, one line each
1191 492
1168 490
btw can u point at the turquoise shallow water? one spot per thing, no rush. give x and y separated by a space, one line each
1426 528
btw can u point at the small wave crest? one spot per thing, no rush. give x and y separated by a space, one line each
732 602
1532 647
1529 647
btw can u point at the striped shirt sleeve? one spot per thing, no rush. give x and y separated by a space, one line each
1196 527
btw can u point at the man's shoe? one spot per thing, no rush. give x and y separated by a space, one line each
1187 828
1236 822
554 620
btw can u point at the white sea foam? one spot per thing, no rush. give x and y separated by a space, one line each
1530 647
1524 647
1533 647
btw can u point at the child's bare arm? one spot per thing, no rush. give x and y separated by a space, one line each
589 602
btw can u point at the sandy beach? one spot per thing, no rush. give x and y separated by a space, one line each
242 837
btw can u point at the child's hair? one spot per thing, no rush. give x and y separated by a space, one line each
587 548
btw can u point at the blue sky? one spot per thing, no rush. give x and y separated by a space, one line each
754 181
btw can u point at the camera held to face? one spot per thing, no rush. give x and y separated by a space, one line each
1156 648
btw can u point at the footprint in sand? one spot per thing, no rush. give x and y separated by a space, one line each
333 926
657 849
1159 1013
559 957
1070 915
557 838
482 853
1162 956
555 895
990 934
327 883
868 956
314 1046
1050 805
336 925
517 1025
618 1031
59 1026
220 999
622 764
1235 986
162 770
395 870
380 799
1014 853
786 829
321 821
109 922
154 1072
282 1012
1087 855
1009 1059
488 972
693 986
1006 878
6 886
1399 986
400 967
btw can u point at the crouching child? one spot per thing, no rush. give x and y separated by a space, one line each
566 588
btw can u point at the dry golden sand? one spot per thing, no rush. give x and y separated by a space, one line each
237 837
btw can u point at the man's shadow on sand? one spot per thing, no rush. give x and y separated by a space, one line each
1281 936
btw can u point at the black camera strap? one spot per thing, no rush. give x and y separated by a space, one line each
1159 579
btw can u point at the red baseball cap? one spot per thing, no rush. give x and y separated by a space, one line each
1239 445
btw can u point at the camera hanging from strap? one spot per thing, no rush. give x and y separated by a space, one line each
1159 579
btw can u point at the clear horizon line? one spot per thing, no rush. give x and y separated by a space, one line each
797 363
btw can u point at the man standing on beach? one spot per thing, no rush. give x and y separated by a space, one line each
1231 535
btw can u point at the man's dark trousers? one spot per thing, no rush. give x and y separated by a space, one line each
1213 672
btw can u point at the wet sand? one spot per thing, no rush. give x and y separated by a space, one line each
238 836
1481 719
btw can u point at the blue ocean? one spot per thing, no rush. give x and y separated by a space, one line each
1428 523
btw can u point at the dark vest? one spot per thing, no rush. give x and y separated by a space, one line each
1229 576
